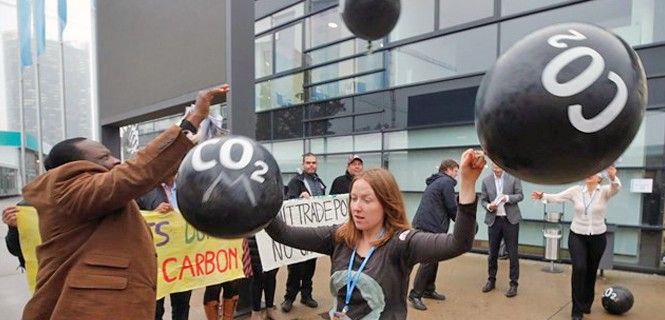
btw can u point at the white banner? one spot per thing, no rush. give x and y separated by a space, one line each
312 212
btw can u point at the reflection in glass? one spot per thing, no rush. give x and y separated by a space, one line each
637 22
287 123
328 109
332 89
279 92
340 50
325 27
456 54
416 18
288 48
262 25
263 126
336 126
332 71
288 14
509 7
263 56
368 122
452 12
370 82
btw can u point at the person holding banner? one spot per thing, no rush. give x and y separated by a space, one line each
305 185
373 253
12 238
97 258
162 199
263 282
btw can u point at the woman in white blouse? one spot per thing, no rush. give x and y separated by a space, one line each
586 241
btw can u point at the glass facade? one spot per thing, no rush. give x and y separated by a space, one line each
409 103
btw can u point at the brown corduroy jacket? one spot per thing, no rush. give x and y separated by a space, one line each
97 259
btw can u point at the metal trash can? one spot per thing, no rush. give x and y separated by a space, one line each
552 231
552 243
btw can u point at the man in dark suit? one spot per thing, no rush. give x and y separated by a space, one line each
500 194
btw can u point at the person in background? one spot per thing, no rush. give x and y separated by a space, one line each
162 199
438 206
305 185
500 195
262 283
341 184
586 240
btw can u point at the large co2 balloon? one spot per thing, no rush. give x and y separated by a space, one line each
229 187
561 104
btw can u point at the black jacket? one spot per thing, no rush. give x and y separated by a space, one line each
152 199
297 186
341 184
438 204
12 240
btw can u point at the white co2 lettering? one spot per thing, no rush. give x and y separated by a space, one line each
226 161
582 82
609 293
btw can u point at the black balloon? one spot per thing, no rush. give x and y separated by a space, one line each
617 300
229 187
371 19
561 104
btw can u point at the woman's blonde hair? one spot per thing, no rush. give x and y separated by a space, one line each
387 192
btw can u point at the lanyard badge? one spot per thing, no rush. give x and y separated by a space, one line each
352 279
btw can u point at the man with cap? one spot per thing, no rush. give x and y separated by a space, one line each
341 184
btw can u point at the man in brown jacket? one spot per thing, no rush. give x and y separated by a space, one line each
97 259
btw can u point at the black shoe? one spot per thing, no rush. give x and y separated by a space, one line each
309 302
434 295
287 305
512 291
489 286
417 303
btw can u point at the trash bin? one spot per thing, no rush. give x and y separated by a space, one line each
552 231
552 244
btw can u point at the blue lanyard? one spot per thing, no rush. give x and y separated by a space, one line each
351 281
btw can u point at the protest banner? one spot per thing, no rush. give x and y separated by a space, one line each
186 258
311 212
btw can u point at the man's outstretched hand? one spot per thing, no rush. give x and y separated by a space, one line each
202 105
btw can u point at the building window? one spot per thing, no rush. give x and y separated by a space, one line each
637 22
324 28
347 68
263 56
452 55
340 50
281 17
279 92
287 123
453 13
288 48
415 19
509 7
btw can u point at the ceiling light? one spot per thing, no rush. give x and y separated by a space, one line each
332 25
